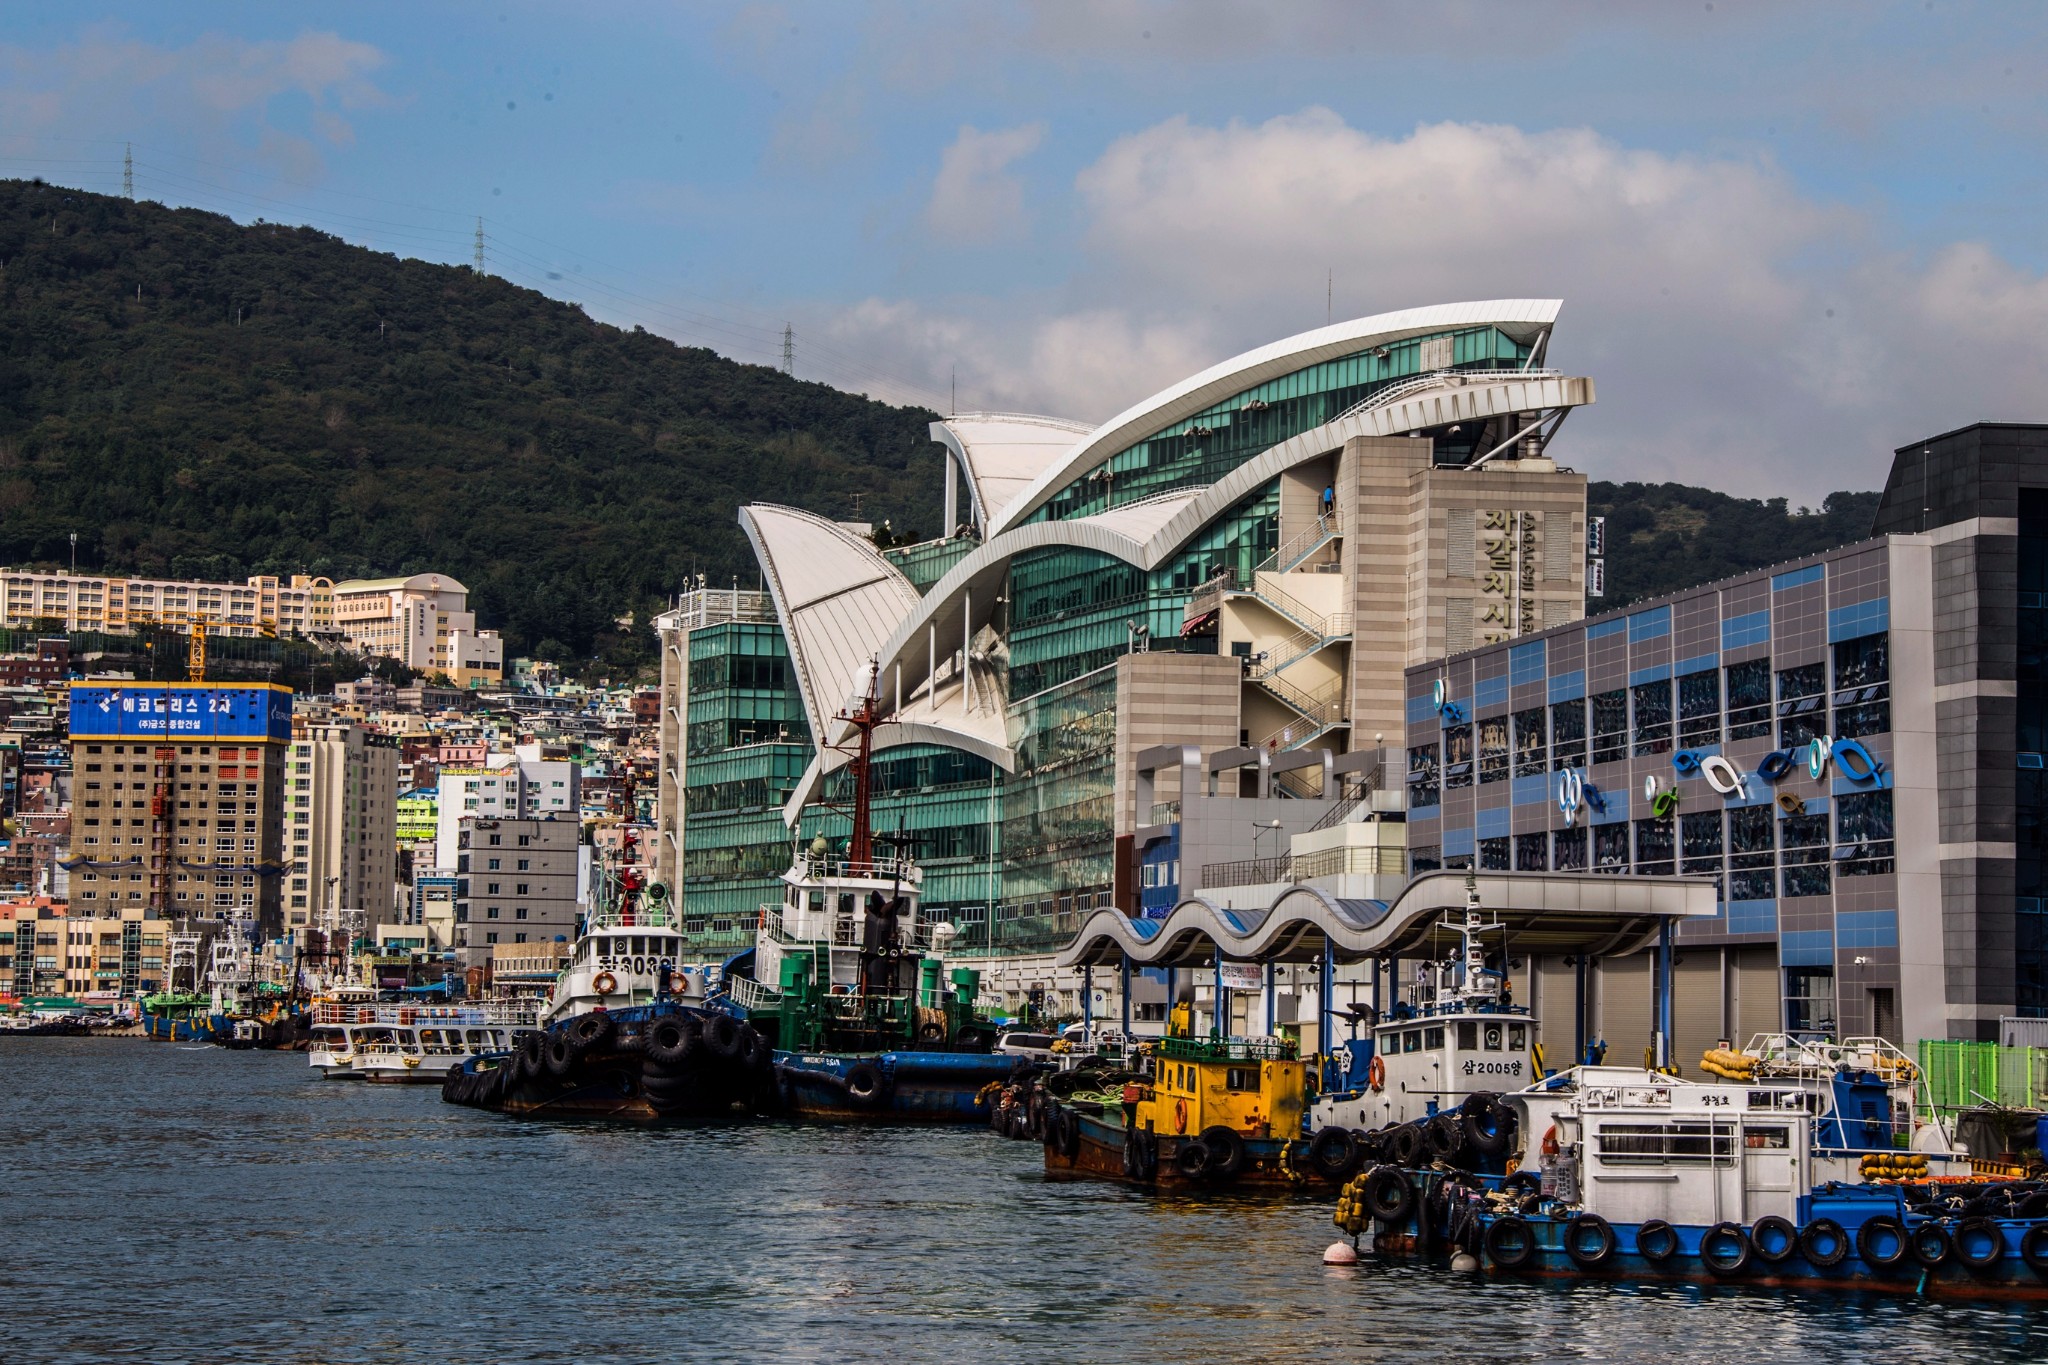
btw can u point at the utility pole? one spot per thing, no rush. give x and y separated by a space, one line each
479 245
74 554
788 349
128 171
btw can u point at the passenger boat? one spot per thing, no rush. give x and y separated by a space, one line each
1803 1166
847 983
618 1038
411 1044
1204 1112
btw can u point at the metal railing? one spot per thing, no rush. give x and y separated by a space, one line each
1440 379
1372 861
1327 527
1322 708
751 994
1249 871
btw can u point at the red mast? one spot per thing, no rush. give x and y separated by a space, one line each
863 717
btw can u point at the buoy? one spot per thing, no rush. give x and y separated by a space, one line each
1464 1261
1340 1253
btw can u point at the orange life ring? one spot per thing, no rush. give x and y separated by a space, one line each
604 983
1550 1140
1376 1074
1180 1116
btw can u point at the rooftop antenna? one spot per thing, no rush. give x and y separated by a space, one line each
954 408
479 245
128 171
788 349
1329 296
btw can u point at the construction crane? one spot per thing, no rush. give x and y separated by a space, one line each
195 657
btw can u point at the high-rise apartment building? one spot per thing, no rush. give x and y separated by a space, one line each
178 798
506 787
516 882
341 824
264 604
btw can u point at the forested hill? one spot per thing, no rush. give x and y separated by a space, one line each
1662 537
196 397
204 399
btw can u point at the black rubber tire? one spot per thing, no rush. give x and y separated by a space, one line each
865 1085
750 1047
1932 1247
722 1036
1445 1136
1192 1160
933 1032
2032 1206
1141 1158
1406 1145
562 1055
1067 1133
672 1040
1656 1241
592 1030
1226 1151
1872 1245
974 1039
1510 1243
1388 1195
1774 1239
1979 1243
1725 1249
1589 1255
533 1054
2034 1248
1525 1181
1490 1129
1477 1102
1824 1244
1335 1152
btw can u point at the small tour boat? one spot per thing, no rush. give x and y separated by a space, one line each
411 1044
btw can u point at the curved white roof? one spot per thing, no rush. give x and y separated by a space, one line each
1522 319
836 597
1002 452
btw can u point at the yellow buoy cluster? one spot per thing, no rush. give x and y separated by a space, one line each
1895 1166
1728 1064
1351 1213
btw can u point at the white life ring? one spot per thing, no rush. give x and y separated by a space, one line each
604 983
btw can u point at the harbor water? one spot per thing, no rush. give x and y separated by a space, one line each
167 1203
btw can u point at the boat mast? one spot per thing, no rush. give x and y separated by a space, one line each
863 717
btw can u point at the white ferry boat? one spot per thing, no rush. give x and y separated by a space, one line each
411 1044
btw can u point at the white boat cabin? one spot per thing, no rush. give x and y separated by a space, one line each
823 915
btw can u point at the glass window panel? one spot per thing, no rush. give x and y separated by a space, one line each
1493 855
1610 726
1532 852
1654 847
1458 756
1423 776
1699 707
1653 717
1610 848
1531 742
1493 749
1802 704
1568 734
1570 849
1749 699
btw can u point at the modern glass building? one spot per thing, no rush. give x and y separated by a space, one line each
1260 548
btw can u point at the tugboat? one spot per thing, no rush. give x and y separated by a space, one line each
174 1015
617 1038
1203 1112
1425 1086
848 984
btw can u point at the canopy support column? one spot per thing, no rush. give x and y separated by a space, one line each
1124 990
1272 1021
1662 1042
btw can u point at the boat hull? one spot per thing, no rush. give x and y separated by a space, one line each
160 1029
1097 1151
913 1087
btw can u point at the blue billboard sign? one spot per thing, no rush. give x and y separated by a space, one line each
128 710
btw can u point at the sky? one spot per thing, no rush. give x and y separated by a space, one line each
1788 238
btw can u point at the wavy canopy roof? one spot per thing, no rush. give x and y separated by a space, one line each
1521 319
1543 912
1000 453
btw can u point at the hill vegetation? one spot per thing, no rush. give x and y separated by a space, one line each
200 398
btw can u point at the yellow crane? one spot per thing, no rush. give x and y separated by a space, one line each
195 658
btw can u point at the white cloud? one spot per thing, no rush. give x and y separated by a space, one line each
974 197
1744 334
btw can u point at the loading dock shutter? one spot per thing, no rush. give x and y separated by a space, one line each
1695 1009
1625 1007
1556 1004
1759 1000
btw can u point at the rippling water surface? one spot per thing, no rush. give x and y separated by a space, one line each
160 1204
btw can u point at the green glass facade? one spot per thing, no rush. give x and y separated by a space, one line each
927 562
1201 449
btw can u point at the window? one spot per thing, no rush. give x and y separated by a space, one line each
1610 848
1653 847
1531 742
1423 777
1493 855
523 863
1802 704
1810 1000
1660 1144
1568 735
1427 858
1610 726
1653 717
1458 756
1803 847
1863 687
492 864
1752 841
1532 852
1749 699
1569 848
1493 749
1699 708
1863 833
1699 842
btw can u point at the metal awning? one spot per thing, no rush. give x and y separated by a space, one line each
1544 913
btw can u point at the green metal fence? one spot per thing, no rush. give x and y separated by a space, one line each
1959 1075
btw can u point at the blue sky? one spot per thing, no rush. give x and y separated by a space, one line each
1788 237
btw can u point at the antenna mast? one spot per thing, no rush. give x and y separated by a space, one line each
479 245
788 349
128 171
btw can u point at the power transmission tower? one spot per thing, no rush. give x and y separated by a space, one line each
788 349
479 246
128 171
